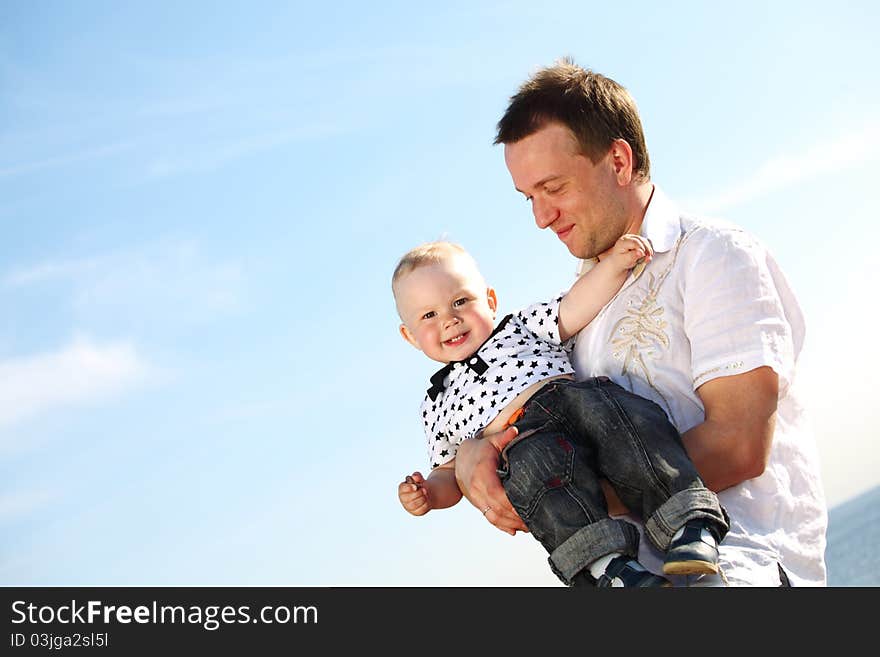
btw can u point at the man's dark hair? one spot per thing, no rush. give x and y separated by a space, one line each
596 109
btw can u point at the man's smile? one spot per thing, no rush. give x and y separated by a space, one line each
563 233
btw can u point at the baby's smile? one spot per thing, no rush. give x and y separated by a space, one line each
457 340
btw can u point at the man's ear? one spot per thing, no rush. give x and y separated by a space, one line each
492 299
622 161
409 337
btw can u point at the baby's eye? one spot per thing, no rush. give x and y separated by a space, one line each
429 314
459 302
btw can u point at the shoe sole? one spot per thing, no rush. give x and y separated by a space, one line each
690 568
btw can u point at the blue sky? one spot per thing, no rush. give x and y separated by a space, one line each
201 207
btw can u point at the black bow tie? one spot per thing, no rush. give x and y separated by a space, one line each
473 362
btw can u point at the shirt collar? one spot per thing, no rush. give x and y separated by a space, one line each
661 224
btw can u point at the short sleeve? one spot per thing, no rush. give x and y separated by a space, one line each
739 311
440 448
542 319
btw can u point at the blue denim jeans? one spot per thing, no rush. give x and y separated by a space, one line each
574 433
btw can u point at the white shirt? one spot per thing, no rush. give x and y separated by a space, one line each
711 303
467 395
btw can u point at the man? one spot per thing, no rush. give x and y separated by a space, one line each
710 330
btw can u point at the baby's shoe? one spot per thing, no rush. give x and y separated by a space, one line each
692 551
623 571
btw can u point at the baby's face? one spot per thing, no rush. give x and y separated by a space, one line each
446 308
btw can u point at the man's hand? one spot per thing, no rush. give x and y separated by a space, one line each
476 466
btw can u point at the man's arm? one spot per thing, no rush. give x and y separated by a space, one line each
733 443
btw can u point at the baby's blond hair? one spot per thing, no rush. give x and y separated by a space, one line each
429 253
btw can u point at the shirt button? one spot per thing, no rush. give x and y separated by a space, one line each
473 361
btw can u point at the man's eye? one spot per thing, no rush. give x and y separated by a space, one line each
429 314
553 190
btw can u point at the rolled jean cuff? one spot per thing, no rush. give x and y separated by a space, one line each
686 505
592 542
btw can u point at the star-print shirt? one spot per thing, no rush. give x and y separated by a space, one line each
465 396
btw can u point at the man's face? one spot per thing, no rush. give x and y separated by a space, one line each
580 201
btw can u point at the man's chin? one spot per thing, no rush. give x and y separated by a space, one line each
580 252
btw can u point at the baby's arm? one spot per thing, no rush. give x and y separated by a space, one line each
439 491
593 290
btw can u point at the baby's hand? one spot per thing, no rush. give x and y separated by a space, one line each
631 250
413 494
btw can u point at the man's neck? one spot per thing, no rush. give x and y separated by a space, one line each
641 198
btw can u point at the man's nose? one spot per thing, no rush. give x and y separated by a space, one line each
545 213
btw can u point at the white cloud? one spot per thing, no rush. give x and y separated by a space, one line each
201 158
83 372
48 271
66 159
846 151
169 279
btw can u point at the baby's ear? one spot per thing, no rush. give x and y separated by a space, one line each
492 299
409 337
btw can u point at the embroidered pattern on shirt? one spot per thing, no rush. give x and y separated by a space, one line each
640 335
729 366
